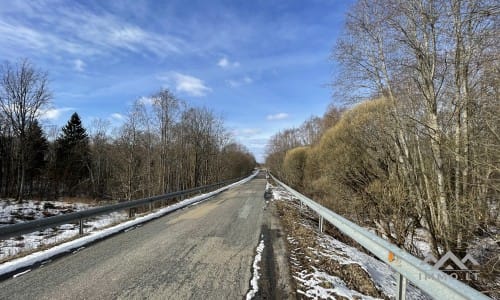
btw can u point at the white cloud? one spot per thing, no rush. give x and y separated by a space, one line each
246 132
17 36
239 82
53 114
233 83
187 84
77 30
118 117
250 131
146 100
79 65
278 116
225 63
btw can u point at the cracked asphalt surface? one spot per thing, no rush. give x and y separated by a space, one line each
202 252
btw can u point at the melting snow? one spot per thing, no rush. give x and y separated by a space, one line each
254 287
383 276
12 213
324 286
314 283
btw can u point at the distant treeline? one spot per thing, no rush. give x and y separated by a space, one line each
424 152
163 145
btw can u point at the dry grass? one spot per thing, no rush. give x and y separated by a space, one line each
305 247
86 200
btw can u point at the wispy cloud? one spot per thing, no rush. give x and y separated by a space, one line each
117 116
239 82
17 37
187 84
53 114
257 147
259 143
278 116
79 65
246 132
75 29
225 63
146 100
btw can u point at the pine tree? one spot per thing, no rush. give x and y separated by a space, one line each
73 156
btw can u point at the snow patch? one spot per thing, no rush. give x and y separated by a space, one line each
382 275
279 193
324 286
50 236
315 283
269 186
254 283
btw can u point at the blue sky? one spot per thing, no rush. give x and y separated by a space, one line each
261 65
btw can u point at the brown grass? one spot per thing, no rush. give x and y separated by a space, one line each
86 200
292 220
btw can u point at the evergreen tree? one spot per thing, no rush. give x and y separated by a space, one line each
37 148
73 156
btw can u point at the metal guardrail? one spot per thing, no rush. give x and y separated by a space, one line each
79 216
432 281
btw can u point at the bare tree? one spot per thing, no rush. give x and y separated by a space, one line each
100 168
427 57
167 109
129 164
23 95
202 131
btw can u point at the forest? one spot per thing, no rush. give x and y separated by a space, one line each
416 143
163 145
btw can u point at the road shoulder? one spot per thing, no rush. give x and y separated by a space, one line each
275 279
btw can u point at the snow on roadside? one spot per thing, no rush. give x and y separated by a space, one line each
268 186
254 282
40 256
279 193
313 279
34 240
315 282
383 276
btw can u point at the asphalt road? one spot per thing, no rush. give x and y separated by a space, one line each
202 252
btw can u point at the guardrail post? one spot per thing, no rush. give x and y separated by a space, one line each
321 224
81 226
151 206
401 293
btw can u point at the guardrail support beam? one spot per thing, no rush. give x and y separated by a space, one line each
81 226
321 224
401 293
